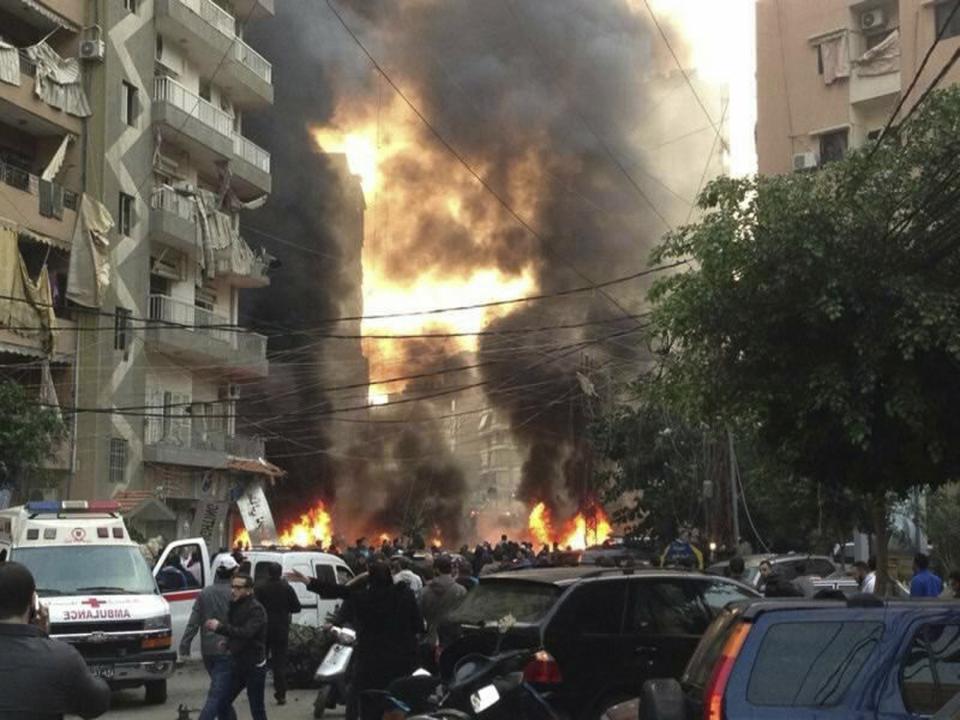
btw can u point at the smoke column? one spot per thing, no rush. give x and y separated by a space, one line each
559 106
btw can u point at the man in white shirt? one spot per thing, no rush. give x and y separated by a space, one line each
402 574
865 576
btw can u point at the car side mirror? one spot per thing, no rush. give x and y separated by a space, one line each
662 700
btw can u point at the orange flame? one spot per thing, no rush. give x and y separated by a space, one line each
577 533
315 527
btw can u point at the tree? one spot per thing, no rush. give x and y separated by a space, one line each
28 433
821 313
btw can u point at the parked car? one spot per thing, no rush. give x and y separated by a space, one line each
602 631
791 565
818 660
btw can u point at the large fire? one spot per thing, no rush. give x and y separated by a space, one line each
393 210
314 527
577 533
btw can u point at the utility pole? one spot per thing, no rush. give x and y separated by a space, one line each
734 505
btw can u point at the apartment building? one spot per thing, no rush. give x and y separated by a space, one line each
42 116
830 72
170 82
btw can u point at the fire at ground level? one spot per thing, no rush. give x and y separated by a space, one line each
315 528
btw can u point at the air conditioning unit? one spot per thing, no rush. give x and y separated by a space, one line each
92 50
873 19
805 161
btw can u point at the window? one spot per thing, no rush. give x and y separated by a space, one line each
343 575
182 569
668 606
718 594
118 460
130 5
819 60
810 664
931 671
205 90
121 328
324 573
126 214
129 104
159 46
494 599
943 17
875 39
596 608
833 146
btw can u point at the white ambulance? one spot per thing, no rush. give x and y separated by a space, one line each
99 590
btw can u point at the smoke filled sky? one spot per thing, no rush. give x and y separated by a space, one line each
575 115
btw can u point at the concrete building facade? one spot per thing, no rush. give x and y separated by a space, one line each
831 72
158 171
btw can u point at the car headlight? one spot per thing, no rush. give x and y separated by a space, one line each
159 622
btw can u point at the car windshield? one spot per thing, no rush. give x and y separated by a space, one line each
491 601
104 570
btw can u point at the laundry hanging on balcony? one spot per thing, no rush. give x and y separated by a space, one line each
224 251
58 81
89 274
9 64
835 57
881 59
26 305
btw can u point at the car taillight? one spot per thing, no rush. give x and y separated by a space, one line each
713 700
543 669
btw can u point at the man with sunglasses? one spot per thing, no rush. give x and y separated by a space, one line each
246 633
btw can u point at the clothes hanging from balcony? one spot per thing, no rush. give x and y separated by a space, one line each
58 81
52 169
835 57
9 64
26 305
48 391
224 251
89 274
881 59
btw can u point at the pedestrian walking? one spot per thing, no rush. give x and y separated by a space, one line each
246 633
280 601
40 678
213 603
403 574
439 597
866 576
387 621
924 582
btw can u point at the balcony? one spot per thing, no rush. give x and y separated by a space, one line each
206 132
195 335
179 439
208 34
251 168
22 109
172 221
20 202
64 342
870 88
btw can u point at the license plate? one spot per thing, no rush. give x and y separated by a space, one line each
484 698
102 671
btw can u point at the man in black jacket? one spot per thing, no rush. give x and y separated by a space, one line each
280 601
40 678
246 633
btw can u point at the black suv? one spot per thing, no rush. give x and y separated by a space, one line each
603 631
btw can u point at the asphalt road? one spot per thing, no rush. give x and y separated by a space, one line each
189 687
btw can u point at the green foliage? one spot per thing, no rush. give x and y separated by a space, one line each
943 530
821 311
28 432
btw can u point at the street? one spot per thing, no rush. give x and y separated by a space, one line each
189 687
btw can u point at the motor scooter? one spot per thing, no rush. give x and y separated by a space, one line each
331 676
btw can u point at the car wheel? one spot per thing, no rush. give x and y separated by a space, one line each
156 692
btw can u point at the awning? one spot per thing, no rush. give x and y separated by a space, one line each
37 8
143 504
258 466
24 231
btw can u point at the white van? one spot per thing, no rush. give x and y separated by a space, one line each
184 568
97 587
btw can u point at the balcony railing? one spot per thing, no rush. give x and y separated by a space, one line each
169 200
217 17
251 152
246 446
255 61
169 90
27 182
180 316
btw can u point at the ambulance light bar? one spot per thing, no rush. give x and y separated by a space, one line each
72 506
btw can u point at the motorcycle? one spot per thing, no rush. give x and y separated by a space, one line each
491 688
331 675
